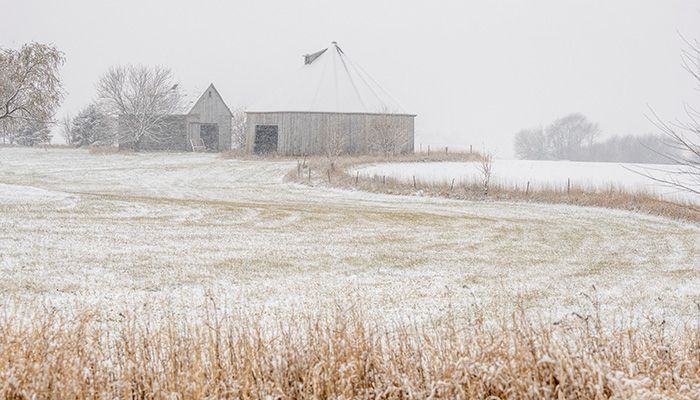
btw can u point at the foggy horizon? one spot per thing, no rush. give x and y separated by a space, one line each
475 74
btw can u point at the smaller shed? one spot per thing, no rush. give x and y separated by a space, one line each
206 127
209 122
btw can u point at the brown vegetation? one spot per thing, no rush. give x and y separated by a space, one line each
102 150
611 197
344 356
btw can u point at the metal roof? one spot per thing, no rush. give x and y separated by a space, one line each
330 82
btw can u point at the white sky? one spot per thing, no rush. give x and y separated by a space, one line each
474 72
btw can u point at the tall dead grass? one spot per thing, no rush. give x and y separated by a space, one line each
609 197
344 356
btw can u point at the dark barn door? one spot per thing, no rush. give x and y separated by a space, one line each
265 139
209 133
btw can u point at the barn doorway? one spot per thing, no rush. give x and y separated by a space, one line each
209 134
265 139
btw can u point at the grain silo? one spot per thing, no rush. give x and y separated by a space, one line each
331 105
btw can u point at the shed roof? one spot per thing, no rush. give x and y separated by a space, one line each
203 98
330 82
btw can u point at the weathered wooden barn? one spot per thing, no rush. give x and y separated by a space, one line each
206 127
331 102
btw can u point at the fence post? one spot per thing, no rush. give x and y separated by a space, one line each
329 176
445 149
527 188
452 186
568 185
357 176
470 149
414 182
383 179
428 149
309 173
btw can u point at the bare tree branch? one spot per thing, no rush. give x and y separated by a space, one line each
143 99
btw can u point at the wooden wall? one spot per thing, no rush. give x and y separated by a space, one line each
211 109
177 129
302 133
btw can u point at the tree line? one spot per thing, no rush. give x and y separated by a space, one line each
132 102
574 137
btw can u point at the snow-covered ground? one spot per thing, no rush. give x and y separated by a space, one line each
540 174
164 232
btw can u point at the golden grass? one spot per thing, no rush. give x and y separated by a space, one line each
342 357
611 197
242 154
104 150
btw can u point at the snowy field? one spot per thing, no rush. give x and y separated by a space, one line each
540 174
164 232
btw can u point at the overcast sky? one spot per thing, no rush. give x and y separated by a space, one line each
474 72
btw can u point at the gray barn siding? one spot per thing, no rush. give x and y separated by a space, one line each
211 109
179 128
302 133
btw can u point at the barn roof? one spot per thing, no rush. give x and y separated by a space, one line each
202 98
330 82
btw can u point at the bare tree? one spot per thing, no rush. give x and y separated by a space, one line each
92 126
30 85
335 140
531 144
66 128
682 137
485 167
569 135
31 132
386 135
7 127
238 128
143 99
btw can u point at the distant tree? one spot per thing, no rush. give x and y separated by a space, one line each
570 135
386 135
7 127
142 98
238 129
486 170
647 149
567 138
65 128
31 133
335 140
92 126
30 85
531 144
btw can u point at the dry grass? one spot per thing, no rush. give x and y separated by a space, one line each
104 150
611 197
242 154
344 356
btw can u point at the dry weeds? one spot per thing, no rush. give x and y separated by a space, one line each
611 197
344 356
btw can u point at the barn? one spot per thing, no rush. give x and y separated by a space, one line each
331 105
206 127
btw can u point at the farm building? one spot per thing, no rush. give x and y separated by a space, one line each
331 105
206 127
